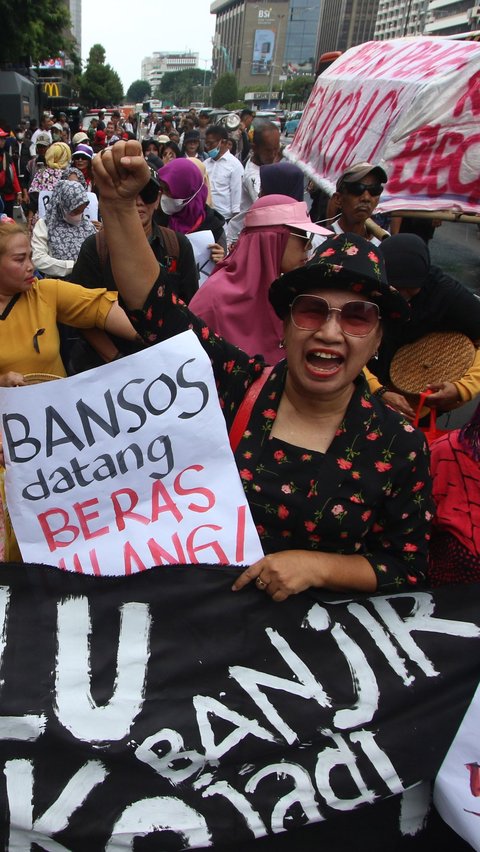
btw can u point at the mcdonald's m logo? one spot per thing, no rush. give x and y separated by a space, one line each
51 90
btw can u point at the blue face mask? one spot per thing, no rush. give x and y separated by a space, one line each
214 152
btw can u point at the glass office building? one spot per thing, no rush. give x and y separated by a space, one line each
301 37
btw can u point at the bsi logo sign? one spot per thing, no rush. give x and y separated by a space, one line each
264 13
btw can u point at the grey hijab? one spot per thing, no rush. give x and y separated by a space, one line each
65 240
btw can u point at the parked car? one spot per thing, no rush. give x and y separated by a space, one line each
217 114
292 123
266 115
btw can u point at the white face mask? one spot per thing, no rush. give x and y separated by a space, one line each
20 137
73 218
170 206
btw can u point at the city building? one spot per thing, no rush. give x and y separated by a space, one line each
396 18
249 41
345 23
75 8
301 36
155 66
450 17
55 73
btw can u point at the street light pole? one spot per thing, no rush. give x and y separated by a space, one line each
204 77
277 39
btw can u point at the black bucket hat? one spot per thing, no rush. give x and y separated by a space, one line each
342 262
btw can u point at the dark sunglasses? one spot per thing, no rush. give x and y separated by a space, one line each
375 189
81 157
149 193
356 318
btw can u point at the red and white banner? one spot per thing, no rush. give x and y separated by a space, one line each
411 105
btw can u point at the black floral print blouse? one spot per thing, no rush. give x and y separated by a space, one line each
369 494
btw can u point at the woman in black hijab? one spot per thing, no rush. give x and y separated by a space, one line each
282 179
437 303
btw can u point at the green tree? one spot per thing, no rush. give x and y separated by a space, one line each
100 85
138 91
183 87
225 90
298 88
31 31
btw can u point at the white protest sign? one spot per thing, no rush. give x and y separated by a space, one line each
200 242
90 212
126 466
411 105
457 787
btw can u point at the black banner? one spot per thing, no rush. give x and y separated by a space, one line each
162 711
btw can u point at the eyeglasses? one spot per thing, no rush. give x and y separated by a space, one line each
81 157
374 189
356 318
307 237
149 193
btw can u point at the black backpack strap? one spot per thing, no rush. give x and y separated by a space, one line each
102 248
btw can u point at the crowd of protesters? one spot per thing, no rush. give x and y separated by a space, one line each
237 186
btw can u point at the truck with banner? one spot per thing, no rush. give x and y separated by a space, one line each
409 104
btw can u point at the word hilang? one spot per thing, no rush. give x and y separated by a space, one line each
163 706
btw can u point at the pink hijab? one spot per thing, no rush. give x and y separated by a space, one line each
234 299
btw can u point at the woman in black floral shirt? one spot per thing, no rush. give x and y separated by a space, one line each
337 482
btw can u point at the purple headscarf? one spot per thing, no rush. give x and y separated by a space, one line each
183 179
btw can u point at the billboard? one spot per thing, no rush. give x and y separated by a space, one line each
263 51
54 62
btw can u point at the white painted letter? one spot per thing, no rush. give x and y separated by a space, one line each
165 764
23 830
75 707
420 619
242 727
163 813
305 685
239 802
328 760
302 793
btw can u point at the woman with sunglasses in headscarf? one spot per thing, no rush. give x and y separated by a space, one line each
58 238
82 160
337 483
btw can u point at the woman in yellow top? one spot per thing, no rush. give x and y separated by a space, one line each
30 309
30 342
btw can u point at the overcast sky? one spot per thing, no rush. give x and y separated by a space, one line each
131 30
